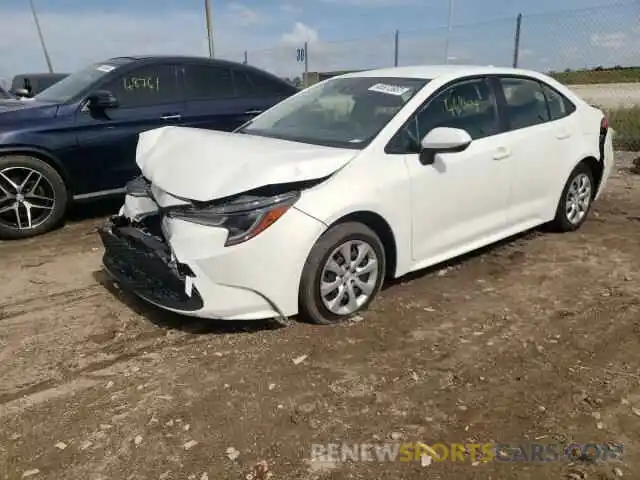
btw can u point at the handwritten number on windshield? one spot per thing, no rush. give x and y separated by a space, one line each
141 83
457 105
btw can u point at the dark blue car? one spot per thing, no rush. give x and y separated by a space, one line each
76 141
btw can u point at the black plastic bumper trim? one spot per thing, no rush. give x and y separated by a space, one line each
141 264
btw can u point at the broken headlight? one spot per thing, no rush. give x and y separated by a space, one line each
243 218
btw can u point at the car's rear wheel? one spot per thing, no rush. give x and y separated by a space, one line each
33 197
575 202
343 274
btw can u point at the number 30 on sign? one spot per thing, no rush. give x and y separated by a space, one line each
300 54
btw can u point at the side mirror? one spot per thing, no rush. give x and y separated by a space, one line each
22 92
443 140
101 100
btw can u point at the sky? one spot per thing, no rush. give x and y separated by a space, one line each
341 34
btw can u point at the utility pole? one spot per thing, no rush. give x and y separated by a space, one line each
516 46
44 46
306 64
207 12
449 26
396 48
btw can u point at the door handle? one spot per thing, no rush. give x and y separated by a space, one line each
253 112
501 152
562 134
171 117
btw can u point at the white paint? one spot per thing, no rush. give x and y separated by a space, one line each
218 164
496 187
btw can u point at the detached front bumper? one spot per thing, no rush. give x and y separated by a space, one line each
142 264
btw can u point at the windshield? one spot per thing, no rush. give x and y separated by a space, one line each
77 83
341 112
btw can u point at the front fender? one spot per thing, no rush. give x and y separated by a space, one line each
400 228
375 184
40 153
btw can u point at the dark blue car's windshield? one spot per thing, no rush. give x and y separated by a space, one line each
77 83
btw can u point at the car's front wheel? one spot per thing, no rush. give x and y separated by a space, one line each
343 274
575 202
33 197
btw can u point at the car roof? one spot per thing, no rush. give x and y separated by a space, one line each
187 58
177 58
40 75
431 72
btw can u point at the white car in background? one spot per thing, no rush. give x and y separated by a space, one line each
371 175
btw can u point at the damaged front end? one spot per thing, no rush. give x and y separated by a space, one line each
243 217
139 242
140 260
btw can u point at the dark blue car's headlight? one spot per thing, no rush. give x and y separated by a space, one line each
244 218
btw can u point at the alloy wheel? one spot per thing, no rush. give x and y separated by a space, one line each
578 198
27 198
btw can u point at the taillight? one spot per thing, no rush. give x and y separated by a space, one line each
604 124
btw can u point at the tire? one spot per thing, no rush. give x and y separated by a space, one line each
313 305
43 193
563 221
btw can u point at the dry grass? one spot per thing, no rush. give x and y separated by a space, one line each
626 123
582 77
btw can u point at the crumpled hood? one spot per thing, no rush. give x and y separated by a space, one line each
205 165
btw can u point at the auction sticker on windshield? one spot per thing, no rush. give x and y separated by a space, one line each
106 68
389 89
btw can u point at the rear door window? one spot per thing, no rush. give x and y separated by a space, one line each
559 105
254 84
208 82
525 101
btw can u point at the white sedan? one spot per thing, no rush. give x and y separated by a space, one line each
310 206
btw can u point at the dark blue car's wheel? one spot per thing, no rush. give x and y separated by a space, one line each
33 197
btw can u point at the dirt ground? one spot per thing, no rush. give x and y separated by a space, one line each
533 340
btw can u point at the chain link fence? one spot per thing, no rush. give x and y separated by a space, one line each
596 51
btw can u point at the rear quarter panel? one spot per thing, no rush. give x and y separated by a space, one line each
584 124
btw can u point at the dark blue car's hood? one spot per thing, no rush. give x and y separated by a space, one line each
14 110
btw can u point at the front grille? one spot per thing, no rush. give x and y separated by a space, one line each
141 263
152 225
